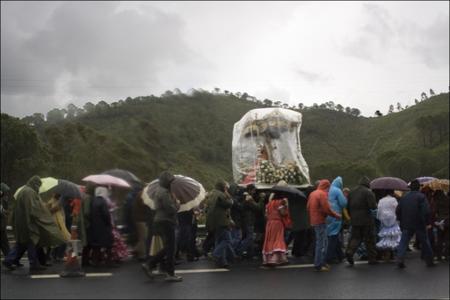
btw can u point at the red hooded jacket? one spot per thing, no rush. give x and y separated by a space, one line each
318 206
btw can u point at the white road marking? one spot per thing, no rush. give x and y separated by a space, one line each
47 276
201 271
99 274
304 266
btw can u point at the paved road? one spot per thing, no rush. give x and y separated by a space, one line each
244 280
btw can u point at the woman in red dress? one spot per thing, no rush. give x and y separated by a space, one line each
275 249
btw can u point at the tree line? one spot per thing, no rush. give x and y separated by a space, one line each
72 111
423 97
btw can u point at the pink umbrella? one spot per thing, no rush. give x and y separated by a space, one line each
105 179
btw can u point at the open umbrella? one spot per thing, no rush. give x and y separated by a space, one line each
289 191
47 184
66 189
105 179
438 184
4 187
389 183
129 177
188 191
425 179
52 185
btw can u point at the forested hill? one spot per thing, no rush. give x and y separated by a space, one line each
191 135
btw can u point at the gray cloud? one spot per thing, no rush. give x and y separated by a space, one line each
84 51
311 77
374 37
54 53
381 33
429 44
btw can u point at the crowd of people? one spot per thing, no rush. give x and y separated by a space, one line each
242 223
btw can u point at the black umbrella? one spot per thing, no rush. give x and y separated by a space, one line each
65 188
289 191
189 191
129 177
389 183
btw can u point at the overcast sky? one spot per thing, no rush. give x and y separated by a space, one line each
359 54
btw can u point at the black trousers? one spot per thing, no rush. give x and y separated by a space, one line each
5 243
360 234
208 243
167 232
301 244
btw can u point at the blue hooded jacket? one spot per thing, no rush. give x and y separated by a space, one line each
337 203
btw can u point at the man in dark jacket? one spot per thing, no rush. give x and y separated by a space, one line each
165 221
250 207
361 202
442 215
237 214
413 213
100 231
220 221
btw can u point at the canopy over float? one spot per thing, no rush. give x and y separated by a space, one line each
266 148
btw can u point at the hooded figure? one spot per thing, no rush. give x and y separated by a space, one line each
337 202
318 206
100 229
32 220
361 201
165 221
219 207
166 206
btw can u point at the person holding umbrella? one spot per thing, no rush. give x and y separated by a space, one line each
165 222
100 233
413 213
34 227
220 222
249 209
361 203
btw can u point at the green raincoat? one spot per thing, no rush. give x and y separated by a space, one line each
32 220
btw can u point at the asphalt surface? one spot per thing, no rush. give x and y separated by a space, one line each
243 280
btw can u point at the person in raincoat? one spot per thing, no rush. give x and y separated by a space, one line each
34 227
56 209
83 222
165 222
100 233
219 219
361 203
338 203
4 215
318 209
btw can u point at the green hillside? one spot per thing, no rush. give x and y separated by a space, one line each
191 135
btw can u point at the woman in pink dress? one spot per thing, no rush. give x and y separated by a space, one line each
275 249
